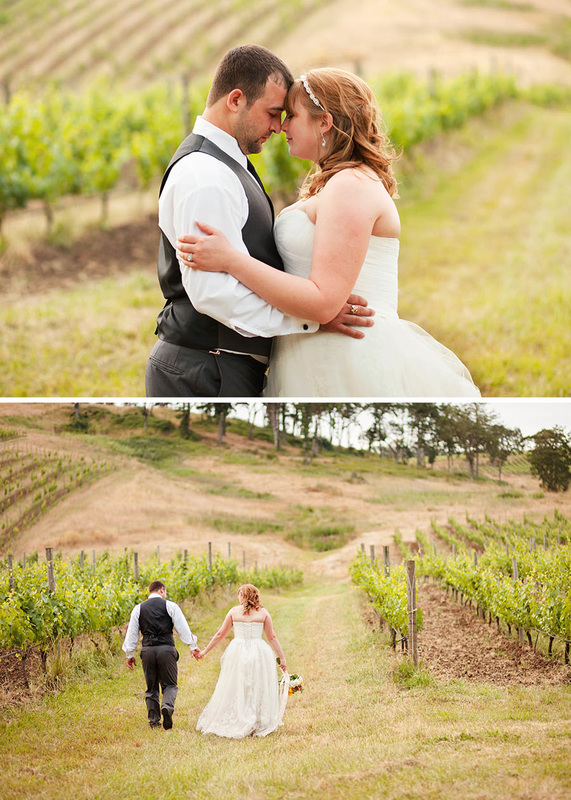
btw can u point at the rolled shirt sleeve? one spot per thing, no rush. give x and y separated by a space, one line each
181 625
132 635
213 194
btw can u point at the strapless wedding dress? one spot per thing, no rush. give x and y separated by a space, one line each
395 359
247 700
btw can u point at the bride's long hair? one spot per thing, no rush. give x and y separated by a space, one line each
250 597
357 137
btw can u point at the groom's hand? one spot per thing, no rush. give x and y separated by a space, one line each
131 662
354 312
197 654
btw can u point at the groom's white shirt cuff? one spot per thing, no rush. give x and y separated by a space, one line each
179 622
210 192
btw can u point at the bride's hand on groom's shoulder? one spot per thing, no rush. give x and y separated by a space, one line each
354 312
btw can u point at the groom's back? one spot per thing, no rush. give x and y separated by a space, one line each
155 622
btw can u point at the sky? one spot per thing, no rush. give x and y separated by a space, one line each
531 416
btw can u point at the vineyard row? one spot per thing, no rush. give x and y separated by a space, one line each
67 144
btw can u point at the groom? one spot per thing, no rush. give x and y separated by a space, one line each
215 334
156 618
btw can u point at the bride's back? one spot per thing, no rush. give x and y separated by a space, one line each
254 615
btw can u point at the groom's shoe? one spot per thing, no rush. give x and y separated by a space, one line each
167 718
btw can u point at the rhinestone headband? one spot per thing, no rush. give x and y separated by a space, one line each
305 82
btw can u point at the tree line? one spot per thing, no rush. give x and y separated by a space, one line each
403 431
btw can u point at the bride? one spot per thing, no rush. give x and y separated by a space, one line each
246 700
341 237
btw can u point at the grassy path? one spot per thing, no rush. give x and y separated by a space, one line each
353 733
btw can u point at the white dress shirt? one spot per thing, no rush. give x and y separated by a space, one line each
201 188
179 622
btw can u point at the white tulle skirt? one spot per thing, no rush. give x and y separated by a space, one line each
395 359
247 700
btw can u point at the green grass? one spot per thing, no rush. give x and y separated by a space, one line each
484 264
353 733
504 39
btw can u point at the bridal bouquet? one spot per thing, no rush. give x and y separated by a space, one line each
295 683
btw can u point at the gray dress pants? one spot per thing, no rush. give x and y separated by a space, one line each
161 670
175 371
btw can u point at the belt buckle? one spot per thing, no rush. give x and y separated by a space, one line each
215 352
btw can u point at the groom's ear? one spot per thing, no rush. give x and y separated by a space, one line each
235 100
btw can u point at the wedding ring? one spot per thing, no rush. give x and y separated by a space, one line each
354 310
189 257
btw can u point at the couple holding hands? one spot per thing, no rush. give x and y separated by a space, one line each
247 700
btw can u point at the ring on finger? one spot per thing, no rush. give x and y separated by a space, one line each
354 309
189 257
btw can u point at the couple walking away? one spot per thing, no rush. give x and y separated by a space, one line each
247 700
243 292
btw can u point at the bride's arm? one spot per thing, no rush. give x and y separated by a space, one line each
346 214
273 641
220 634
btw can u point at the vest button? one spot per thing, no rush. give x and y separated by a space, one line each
305 327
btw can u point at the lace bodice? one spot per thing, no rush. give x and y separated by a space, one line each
378 278
248 631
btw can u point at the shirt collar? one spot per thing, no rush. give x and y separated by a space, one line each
154 594
220 138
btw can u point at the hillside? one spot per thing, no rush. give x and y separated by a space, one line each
183 494
139 42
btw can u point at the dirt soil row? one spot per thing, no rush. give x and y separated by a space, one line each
98 253
456 644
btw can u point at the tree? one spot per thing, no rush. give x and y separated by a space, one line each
185 420
503 442
550 460
472 425
377 431
422 419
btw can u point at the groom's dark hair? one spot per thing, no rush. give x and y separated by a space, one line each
248 68
156 586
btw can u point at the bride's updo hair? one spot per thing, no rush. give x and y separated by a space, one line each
357 137
250 597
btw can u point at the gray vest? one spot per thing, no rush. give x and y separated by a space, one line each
179 322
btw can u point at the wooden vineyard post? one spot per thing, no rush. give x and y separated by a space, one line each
229 549
372 552
362 547
411 586
515 577
93 561
243 559
386 559
136 566
210 556
11 571
51 576
158 554
81 559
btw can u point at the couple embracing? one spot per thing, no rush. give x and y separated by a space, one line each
247 700
243 292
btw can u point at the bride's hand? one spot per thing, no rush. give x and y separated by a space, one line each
210 253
